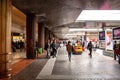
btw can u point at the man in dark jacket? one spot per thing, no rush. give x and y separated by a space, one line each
115 48
47 48
54 50
90 48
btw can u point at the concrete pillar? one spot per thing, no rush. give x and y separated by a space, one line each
46 35
5 38
49 34
41 35
30 36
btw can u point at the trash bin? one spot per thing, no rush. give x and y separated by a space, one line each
40 50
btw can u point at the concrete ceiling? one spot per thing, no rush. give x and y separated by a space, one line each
60 15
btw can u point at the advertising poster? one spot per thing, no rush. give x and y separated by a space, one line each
102 44
116 33
102 35
109 43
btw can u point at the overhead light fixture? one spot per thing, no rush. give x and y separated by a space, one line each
99 15
75 34
84 30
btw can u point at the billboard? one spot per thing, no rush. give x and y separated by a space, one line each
116 33
102 35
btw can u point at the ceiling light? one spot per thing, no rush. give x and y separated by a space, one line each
99 15
84 30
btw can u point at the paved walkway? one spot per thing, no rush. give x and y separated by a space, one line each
82 67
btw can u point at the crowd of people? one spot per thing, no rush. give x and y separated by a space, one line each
90 46
17 45
69 48
51 48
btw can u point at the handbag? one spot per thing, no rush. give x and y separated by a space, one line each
83 49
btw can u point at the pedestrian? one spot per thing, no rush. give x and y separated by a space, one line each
115 48
54 49
89 47
13 47
69 50
21 45
83 44
47 48
94 45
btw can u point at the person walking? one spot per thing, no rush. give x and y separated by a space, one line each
47 48
21 45
115 48
69 50
54 49
89 47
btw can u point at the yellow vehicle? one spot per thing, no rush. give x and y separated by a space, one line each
77 48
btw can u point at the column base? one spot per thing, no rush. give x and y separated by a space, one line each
5 65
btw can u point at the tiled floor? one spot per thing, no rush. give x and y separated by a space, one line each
18 56
82 67
20 62
19 66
